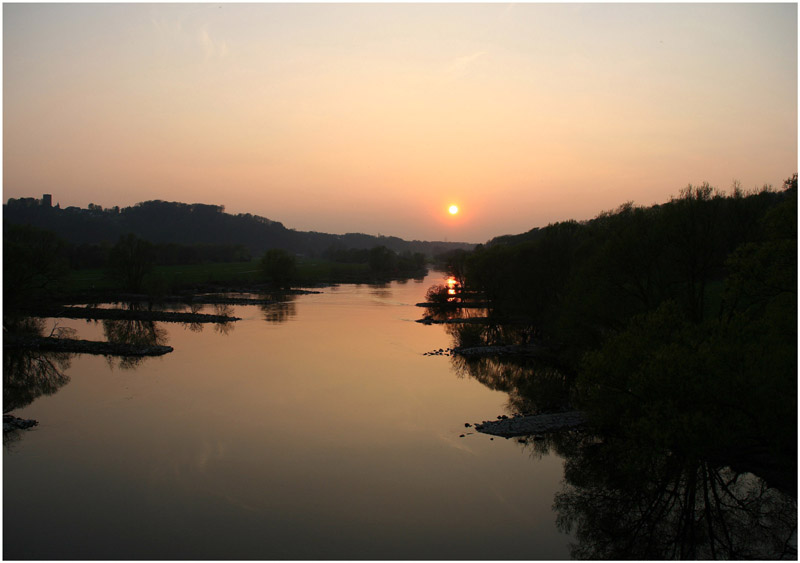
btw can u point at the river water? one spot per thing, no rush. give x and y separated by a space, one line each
315 429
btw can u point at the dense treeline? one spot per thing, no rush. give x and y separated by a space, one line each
164 254
183 224
37 263
171 234
381 260
583 281
677 321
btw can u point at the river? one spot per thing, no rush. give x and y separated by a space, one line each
314 429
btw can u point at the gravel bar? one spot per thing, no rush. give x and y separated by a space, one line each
535 424
49 344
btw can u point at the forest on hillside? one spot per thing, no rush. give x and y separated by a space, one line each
164 222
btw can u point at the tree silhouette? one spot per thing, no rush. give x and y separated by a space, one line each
142 333
28 374
625 501
34 263
279 268
130 260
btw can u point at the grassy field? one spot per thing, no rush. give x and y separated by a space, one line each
166 278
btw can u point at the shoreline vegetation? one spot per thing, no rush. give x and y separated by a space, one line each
87 254
52 255
628 310
207 283
44 276
654 349
671 328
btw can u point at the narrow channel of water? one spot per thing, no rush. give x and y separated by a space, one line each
312 429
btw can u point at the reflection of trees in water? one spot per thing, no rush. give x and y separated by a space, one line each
194 308
142 333
488 334
28 374
446 313
624 498
223 310
150 333
531 387
216 309
281 309
381 290
625 502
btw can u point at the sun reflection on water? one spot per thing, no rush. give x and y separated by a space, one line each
452 284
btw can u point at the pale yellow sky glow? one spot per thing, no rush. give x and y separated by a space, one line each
377 117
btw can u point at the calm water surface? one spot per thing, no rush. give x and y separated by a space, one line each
314 429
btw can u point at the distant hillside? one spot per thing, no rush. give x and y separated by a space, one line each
196 223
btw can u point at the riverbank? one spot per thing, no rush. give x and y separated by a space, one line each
50 344
221 277
508 427
12 423
204 294
512 350
467 320
455 305
132 315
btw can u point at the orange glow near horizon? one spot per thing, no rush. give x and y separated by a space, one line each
363 117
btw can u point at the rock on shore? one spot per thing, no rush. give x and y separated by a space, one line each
11 423
535 424
508 350
467 320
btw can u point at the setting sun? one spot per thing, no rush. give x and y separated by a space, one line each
271 179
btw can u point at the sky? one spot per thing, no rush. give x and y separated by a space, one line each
376 118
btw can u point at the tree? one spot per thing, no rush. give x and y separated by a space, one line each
130 260
456 265
279 267
437 293
34 263
382 260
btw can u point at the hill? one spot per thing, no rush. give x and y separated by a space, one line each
196 223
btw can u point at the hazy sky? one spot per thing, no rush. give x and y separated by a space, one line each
376 117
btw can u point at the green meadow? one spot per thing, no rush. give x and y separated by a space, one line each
309 272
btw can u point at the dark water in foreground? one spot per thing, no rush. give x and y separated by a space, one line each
311 430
